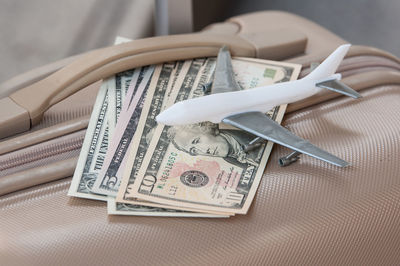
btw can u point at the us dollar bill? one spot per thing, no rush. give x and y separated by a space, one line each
115 208
183 74
157 100
108 180
106 113
106 110
205 166
94 147
164 80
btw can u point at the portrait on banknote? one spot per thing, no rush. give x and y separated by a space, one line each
208 140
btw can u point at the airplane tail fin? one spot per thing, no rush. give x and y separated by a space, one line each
326 70
330 64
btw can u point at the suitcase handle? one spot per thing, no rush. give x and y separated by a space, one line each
25 107
38 97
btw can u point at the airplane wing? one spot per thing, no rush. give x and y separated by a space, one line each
224 79
262 126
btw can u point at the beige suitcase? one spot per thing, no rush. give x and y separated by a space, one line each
308 213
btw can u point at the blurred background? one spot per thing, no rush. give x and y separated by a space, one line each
34 33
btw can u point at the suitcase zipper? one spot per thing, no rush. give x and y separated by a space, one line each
357 64
13 162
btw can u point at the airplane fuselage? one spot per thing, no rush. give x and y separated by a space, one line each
216 107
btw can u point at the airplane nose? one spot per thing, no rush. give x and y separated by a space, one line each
176 115
164 118
172 116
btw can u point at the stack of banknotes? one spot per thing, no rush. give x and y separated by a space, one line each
143 168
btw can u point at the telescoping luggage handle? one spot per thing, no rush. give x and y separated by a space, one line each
24 108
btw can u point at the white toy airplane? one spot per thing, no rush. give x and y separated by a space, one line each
245 109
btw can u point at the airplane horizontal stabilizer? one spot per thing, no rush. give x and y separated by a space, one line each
338 86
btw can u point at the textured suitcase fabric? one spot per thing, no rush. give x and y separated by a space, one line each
307 213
